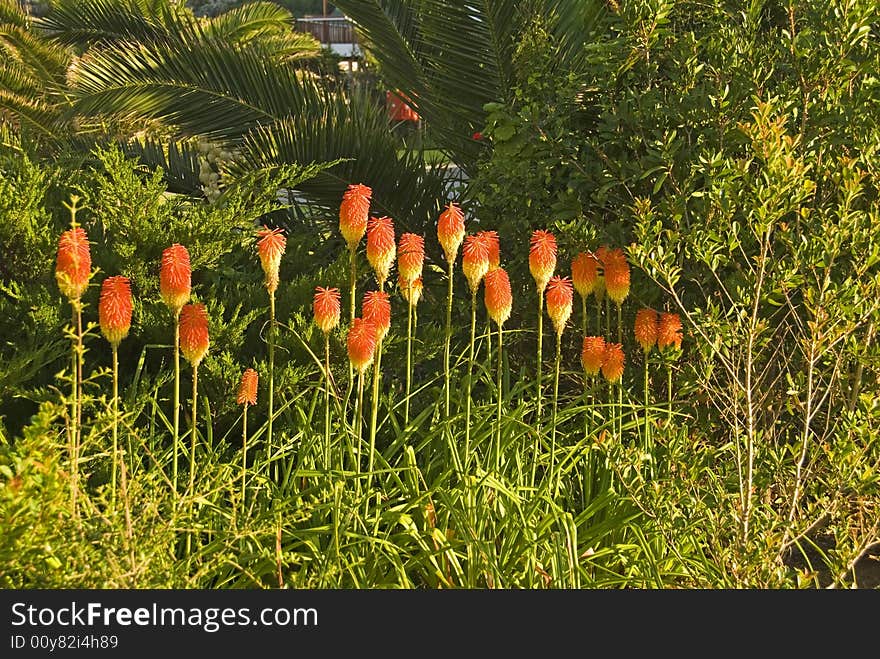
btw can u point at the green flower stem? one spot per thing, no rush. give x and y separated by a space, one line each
352 285
74 405
359 422
115 352
409 340
469 403
176 447
270 447
243 458
498 384
607 318
448 337
327 400
374 415
619 325
554 472
192 452
584 314
669 391
540 352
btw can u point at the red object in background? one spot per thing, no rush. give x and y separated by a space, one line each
398 109
477 136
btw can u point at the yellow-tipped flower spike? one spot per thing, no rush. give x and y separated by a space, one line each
270 246
475 261
646 328
381 248
494 244
376 308
584 273
560 295
593 354
361 342
542 258
616 275
612 363
599 288
412 293
498 295
450 230
114 309
353 213
410 256
326 308
669 331
175 277
194 332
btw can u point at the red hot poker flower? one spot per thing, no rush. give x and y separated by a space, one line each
175 277
412 293
669 331
616 275
450 230
560 295
584 273
247 389
645 329
376 308
474 261
194 332
361 344
494 245
326 308
381 248
271 247
353 213
542 258
114 309
73 264
593 354
612 364
410 256
498 295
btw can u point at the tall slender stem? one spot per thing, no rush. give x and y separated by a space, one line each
619 325
540 352
468 402
553 469
270 446
669 391
374 414
409 340
358 417
448 337
498 384
243 458
352 285
115 350
327 400
73 410
598 317
607 318
192 452
176 447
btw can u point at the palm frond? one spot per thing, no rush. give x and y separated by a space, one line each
76 23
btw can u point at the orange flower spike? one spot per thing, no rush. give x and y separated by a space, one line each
412 293
475 261
584 273
542 258
247 389
612 363
617 275
73 264
497 295
114 309
646 328
410 257
361 344
560 296
175 277
376 309
353 213
381 248
194 332
270 246
669 331
599 290
450 230
494 245
326 308
593 354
